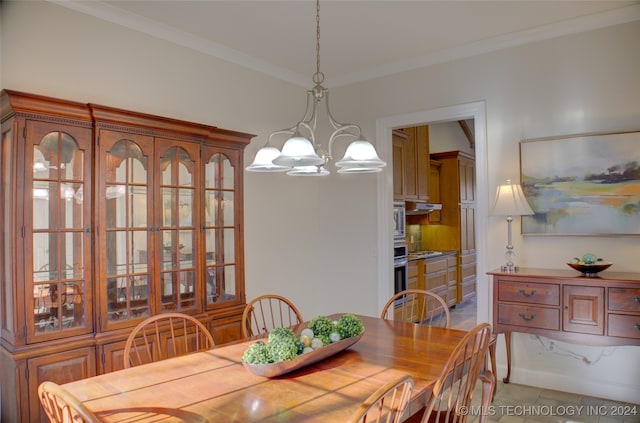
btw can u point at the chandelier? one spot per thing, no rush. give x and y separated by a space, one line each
302 154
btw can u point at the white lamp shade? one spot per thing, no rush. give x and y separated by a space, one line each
510 201
308 171
360 155
264 161
298 151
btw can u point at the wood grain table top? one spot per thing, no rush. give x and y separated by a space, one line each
214 386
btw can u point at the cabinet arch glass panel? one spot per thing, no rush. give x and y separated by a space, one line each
127 228
59 263
178 229
220 228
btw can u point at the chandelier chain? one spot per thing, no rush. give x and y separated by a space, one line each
318 78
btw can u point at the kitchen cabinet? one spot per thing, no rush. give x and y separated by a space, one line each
398 140
112 216
411 163
434 189
562 305
415 280
437 274
457 217
452 279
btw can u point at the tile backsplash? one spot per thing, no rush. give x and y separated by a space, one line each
414 238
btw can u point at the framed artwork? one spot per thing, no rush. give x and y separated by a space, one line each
582 184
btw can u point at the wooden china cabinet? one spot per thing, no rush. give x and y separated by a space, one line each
108 217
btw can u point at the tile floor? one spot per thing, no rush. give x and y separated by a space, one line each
515 403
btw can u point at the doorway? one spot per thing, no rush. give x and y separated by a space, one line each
451 157
384 127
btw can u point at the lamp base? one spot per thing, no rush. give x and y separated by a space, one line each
510 268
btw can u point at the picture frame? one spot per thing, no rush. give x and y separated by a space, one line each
583 185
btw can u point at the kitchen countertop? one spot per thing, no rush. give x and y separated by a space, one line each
428 254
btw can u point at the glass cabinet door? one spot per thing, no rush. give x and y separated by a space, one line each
59 223
220 228
127 229
177 222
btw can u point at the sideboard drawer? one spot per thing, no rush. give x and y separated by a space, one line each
624 299
625 326
531 293
532 317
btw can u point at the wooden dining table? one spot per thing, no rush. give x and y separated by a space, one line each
214 386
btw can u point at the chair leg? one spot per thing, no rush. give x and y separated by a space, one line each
492 356
488 391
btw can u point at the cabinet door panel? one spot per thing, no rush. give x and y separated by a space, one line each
398 167
422 163
221 227
112 357
127 233
58 217
583 309
60 368
410 168
177 220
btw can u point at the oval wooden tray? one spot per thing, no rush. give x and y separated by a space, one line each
277 369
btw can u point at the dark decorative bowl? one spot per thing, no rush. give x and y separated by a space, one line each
590 269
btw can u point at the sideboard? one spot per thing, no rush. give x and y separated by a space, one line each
567 306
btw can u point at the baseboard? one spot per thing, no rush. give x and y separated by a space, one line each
599 389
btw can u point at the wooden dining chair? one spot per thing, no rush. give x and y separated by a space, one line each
62 407
387 404
266 312
164 336
418 305
451 397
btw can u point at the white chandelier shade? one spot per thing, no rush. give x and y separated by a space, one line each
264 161
298 151
360 154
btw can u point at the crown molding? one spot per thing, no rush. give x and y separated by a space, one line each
156 29
568 27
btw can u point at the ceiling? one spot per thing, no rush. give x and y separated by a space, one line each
359 40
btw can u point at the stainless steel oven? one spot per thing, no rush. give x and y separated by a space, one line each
398 221
400 265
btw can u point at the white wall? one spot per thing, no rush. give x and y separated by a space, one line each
315 240
575 84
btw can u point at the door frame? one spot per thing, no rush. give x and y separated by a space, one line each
384 126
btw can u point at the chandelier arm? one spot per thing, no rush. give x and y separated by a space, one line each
335 123
310 111
306 125
289 131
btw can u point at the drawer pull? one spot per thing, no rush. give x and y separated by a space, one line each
636 325
533 292
637 298
533 316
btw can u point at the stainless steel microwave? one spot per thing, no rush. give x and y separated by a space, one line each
398 221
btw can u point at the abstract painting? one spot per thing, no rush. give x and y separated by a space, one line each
582 184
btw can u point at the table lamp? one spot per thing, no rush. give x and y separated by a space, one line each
510 201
